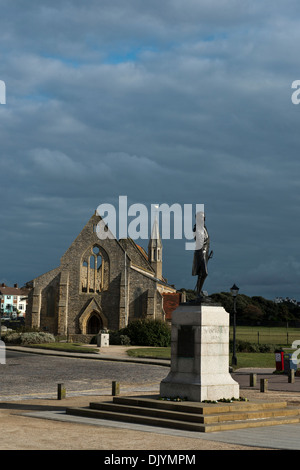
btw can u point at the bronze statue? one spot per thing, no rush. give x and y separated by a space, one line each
201 253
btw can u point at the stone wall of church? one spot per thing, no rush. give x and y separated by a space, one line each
43 301
145 301
64 296
109 298
136 255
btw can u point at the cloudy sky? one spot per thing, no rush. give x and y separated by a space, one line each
174 101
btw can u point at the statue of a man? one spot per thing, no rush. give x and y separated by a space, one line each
201 253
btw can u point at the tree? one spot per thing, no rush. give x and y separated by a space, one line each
252 313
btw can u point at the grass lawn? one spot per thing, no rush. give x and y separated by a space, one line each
157 353
243 359
270 335
255 360
67 347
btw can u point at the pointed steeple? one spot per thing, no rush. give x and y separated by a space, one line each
155 235
155 250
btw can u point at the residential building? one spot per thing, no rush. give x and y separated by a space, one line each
13 301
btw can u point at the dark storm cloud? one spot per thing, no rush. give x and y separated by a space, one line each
186 102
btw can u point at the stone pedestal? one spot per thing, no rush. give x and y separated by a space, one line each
102 340
199 355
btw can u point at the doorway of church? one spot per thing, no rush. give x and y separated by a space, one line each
94 324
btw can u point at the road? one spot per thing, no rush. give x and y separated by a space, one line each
33 375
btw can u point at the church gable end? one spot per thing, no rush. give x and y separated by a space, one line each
101 283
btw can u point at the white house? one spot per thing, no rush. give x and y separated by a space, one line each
13 300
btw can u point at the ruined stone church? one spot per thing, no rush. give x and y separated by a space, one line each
99 284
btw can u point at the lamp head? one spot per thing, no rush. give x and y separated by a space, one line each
234 290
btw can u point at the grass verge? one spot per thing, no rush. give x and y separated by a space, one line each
264 360
153 353
67 347
243 359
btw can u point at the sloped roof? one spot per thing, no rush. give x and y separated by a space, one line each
5 290
142 251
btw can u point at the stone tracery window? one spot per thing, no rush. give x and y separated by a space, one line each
92 271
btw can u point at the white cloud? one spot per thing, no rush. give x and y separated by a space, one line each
56 163
180 101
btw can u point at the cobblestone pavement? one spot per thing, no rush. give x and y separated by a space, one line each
38 375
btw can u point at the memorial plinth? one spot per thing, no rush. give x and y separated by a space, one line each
199 355
102 340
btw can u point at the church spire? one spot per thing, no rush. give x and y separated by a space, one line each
155 250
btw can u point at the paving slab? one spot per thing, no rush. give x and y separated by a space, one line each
285 437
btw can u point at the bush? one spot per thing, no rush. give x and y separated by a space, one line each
145 332
28 338
245 346
11 338
124 340
114 337
37 338
117 338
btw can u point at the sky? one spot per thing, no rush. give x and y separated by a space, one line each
182 101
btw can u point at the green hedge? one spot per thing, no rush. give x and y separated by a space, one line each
246 346
115 337
145 332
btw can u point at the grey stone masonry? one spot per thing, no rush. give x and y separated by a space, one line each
100 283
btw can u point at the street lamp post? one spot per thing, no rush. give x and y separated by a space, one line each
234 291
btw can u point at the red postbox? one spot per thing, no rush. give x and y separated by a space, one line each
279 359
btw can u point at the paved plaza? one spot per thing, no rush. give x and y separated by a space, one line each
30 411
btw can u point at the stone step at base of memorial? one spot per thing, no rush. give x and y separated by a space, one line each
190 416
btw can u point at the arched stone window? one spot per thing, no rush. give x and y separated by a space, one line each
50 302
94 270
139 300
